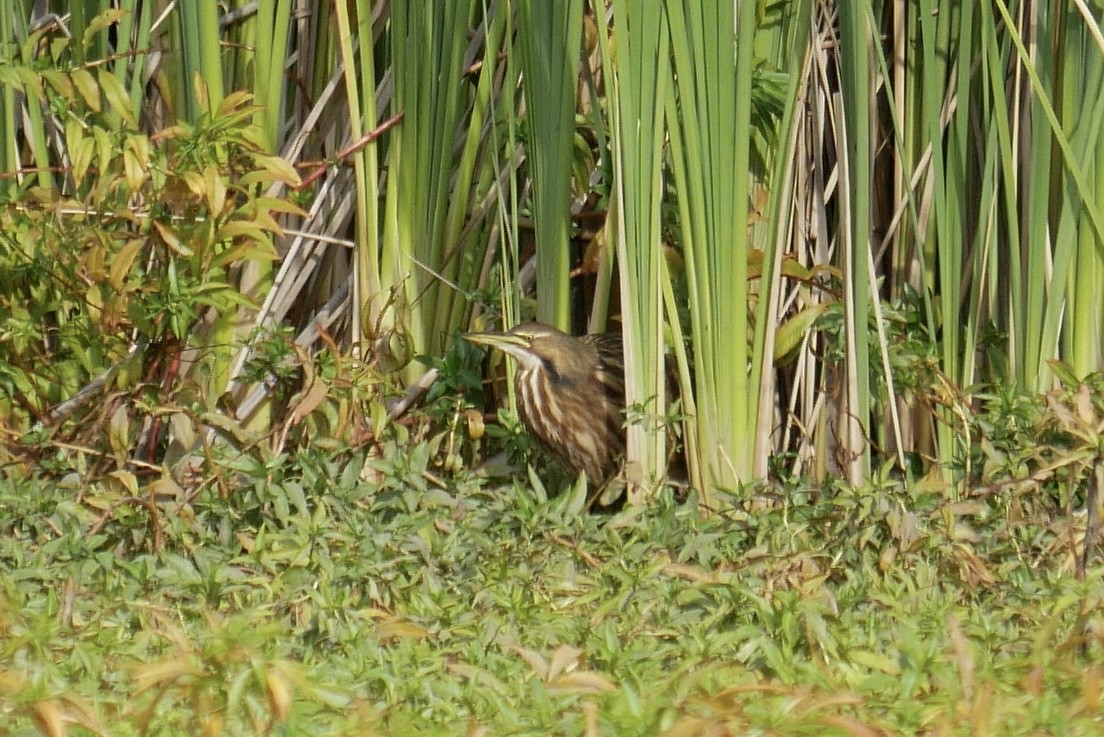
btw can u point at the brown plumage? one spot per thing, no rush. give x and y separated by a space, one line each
570 394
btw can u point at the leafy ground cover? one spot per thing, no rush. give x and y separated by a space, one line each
332 595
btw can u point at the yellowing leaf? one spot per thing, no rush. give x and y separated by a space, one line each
229 427
690 573
199 87
254 250
102 22
535 660
232 102
279 694
118 431
279 168
236 228
309 401
165 488
1083 402
81 149
135 172
127 480
583 682
565 658
94 297
58 81
183 429
476 427
276 204
48 718
140 145
267 222
215 189
401 630
173 131
164 673
89 90
195 182
874 661
122 263
168 235
104 147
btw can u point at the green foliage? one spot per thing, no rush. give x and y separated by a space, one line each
272 357
325 593
459 375
111 273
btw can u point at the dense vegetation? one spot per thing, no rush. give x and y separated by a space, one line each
309 602
253 483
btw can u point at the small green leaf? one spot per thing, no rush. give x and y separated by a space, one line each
102 22
118 99
89 90
260 249
118 431
81 150
793 331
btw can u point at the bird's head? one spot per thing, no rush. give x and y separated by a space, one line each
539 346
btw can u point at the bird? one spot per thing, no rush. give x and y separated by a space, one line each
570 394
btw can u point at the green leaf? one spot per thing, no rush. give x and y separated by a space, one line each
255 249
88 88
118 434
120 267
136 173
171 239
59 82
117 96
278 168
81 150
791 334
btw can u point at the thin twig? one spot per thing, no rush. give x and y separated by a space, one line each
417 389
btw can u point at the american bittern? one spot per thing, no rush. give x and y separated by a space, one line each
570 394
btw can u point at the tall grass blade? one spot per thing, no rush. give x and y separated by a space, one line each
549 41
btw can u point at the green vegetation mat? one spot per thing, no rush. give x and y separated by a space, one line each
305 599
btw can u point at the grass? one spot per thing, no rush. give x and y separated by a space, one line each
308 601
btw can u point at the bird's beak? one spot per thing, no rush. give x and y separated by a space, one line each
515 345
495 340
